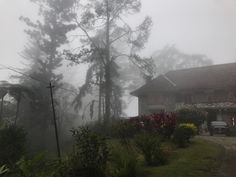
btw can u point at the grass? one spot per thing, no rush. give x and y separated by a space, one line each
201 159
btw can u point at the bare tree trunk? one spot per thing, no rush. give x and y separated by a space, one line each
107 95
103 106
1 113
107 69
100 97
18 107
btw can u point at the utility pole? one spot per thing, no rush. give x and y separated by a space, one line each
54 121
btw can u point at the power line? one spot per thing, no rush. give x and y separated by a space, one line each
36 79
26 75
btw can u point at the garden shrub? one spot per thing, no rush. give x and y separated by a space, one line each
12 144
150 146
163 124
124 130
100 128
183 133
38 166
124 163
90 155
191 115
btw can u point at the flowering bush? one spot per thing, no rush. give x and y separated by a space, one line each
162 124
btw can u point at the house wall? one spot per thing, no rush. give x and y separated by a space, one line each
169 101
156 103
143 106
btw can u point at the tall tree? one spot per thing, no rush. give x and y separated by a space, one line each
107 17
43 52
46 38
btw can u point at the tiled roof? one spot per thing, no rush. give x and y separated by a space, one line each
208 77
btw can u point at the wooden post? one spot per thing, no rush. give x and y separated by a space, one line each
55 122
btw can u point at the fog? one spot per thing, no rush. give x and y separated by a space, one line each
197 26
101 88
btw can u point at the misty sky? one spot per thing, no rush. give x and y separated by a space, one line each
194 26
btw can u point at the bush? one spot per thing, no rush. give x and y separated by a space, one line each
124 163
12 145
90 155
183 134
38 166
100 128
150 146
163 124
124 130
191 115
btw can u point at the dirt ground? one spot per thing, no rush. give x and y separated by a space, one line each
228 166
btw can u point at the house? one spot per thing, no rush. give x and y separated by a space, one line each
212 88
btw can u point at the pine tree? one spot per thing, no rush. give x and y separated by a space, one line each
46 37
106 18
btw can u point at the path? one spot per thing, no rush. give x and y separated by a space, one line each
229 143
228 168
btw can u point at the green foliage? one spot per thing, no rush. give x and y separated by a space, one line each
3 170
124 130
183 134
124 163
191 115
12 144
202 159
90 156
100 128
38 166
150 146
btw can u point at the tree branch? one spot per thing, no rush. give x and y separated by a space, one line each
114 40
91 40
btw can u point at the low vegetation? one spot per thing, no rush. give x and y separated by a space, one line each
12 144
140 147
202 159
191 115
150 147
183 133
